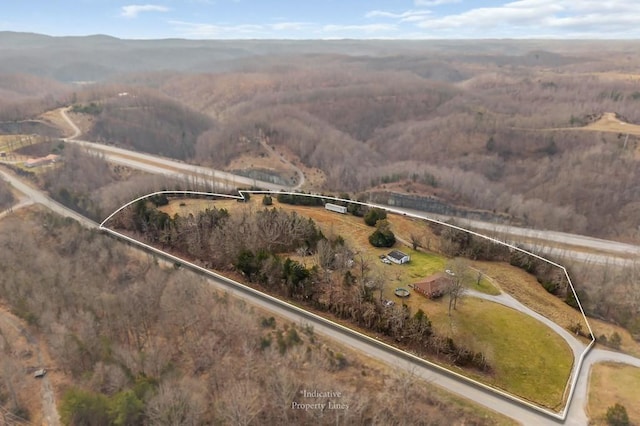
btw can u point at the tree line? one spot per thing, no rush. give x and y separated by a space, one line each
332 279
141 344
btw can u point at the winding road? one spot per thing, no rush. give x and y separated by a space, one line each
446 380
573 246
499 403
154 164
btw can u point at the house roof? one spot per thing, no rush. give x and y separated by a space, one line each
433 284
396 254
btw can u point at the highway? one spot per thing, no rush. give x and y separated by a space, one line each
168 167
551 243
608 252
478 394
36 196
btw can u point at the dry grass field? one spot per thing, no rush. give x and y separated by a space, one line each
482 325
612 383
516 282
610 123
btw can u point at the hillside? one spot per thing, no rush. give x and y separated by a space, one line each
147 122
129 339
481 131
469 120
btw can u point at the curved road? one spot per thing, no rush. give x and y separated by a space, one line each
467 390
596 250
478 394
165 166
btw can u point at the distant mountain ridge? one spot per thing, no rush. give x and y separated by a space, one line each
100 57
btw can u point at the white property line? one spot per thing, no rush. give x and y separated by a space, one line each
571 384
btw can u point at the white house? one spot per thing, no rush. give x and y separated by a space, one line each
398 257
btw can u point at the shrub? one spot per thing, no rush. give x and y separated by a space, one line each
374 215
617 416
84 407
382 239
615 340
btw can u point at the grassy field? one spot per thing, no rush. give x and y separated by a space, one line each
529 359
612 383
526 289
513 281
609 123
517 346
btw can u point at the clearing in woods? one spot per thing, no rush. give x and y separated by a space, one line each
483 325
608 122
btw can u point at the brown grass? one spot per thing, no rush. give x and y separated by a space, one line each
54 117
609 123
612 383
514 281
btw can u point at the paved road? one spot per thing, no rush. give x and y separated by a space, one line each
38 197
577 347
443 379
612 248
577 414
548 242
165 166
475 393
608 252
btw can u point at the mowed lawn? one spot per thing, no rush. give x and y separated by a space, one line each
612 383
528 358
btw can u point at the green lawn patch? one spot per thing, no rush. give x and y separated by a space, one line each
422 264
485 287
528 358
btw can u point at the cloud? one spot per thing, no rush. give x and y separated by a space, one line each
431 3
535 15
368 28
290 26
287 30
408 16
132 10
604 19
209 31
523 19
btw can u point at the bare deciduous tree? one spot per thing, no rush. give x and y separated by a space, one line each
459 278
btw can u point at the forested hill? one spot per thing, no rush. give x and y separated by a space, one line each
507 126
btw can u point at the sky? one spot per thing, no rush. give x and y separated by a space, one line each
326 19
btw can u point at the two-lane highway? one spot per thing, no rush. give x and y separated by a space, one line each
164 166
480 395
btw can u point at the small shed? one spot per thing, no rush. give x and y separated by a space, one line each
433 286
398 257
